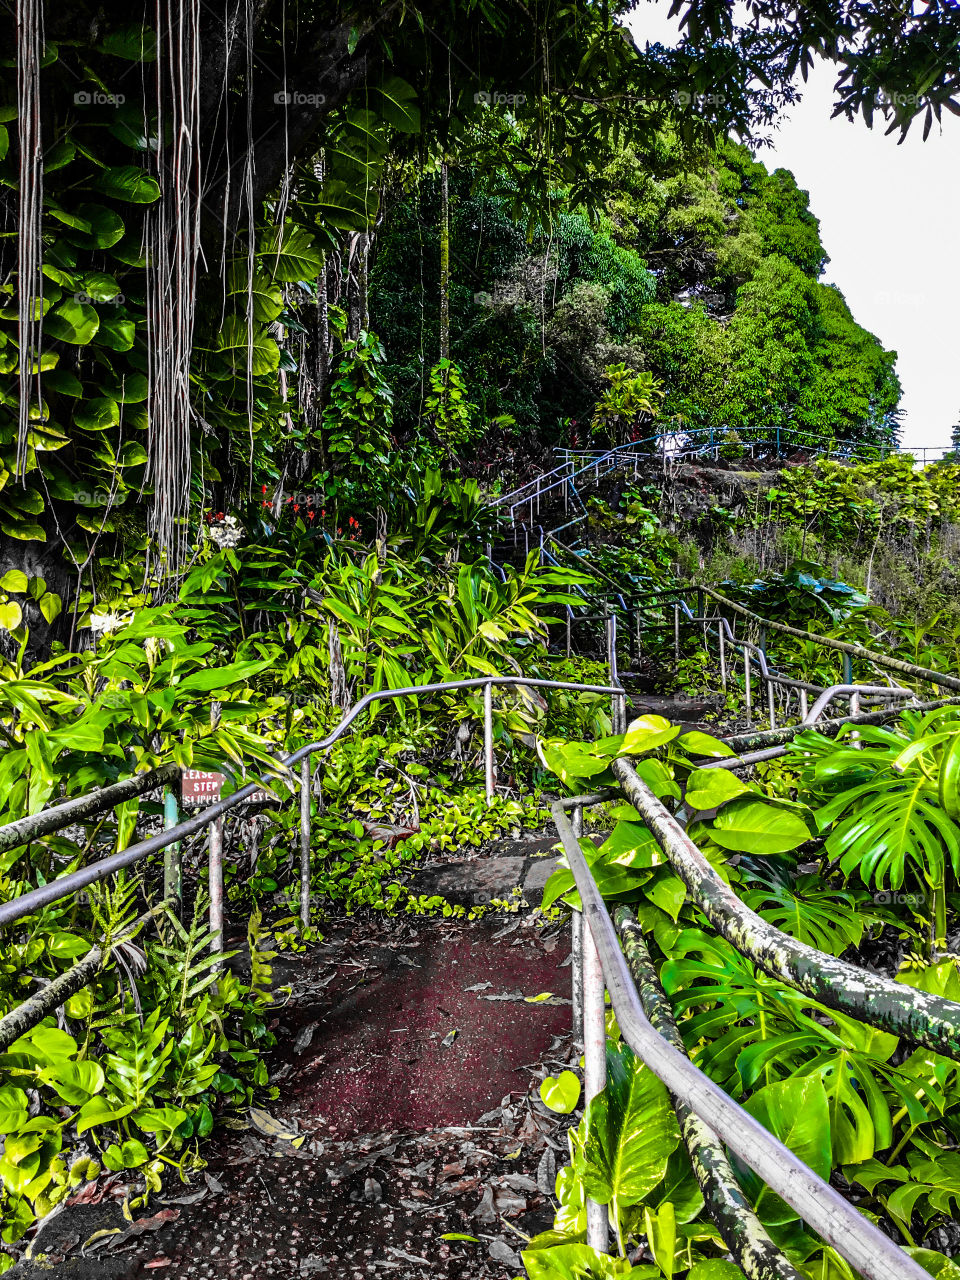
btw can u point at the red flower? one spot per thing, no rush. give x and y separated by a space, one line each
296 506
311 514
265 504
264 489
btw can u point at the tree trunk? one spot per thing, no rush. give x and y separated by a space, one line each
743 1232
927 1019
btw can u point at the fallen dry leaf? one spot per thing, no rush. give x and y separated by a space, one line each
270 1127
158 1220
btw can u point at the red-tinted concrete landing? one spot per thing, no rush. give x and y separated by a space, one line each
386 1057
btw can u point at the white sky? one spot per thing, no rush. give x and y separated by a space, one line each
890 222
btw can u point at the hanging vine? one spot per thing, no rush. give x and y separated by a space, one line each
173 237
29 244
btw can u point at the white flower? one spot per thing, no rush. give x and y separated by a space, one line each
226 532
104 623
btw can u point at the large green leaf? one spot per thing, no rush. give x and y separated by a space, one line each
399 105
75 1082
581 1262
106 226
571 761
267 298
289 254
826 919
14 580
13 1109
118 332
631 844
128 182
631 1130
135 43
97 414
753 826
232 343
647 732
796 1112
74 322
219 677
11 615
711 788
894 821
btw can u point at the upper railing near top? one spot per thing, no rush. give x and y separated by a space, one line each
578 464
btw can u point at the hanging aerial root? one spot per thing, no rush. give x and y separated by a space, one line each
173 239
29 238
743 1232
927 1019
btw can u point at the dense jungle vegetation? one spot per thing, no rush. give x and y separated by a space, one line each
290 295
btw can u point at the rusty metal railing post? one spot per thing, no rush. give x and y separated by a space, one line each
489 769
306 772
855 711
172 864
595 1061
576 943
215 845
746 680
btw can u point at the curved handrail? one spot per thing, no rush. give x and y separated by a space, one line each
712 439
843 646
864 1245
74 881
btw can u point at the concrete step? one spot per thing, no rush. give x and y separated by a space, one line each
513 871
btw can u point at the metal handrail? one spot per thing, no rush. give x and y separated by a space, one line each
74 881
853 1236
712 440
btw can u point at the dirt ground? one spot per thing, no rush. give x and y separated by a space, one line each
408 1061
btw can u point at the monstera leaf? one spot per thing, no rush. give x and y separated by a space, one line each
262 352
289 254
828 919
266 297
795 1112
631 1131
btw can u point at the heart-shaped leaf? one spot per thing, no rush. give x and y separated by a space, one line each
560 1093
